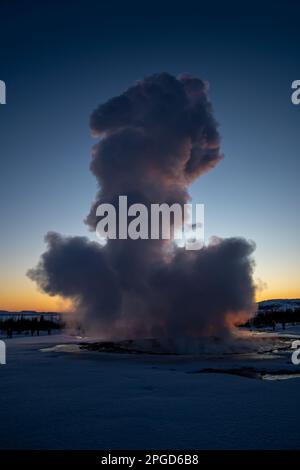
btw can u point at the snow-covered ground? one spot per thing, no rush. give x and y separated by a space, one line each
53 399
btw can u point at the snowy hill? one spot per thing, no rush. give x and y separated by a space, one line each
282 305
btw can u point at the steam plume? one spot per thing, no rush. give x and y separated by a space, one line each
155 140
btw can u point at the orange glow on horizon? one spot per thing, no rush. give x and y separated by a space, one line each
273 294
25 298
37 304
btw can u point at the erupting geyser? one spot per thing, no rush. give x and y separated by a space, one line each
156 139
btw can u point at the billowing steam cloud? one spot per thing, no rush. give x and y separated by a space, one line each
156 138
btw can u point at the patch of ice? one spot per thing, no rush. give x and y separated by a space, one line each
70 348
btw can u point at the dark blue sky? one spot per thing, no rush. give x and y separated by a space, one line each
61 59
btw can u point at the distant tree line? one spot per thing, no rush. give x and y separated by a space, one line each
33 326
269 318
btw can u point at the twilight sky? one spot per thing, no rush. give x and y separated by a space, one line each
61 59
